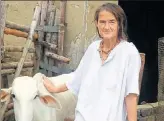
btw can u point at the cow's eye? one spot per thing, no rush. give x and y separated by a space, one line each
12 95
35 96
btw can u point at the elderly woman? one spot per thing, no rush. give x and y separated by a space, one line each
106 80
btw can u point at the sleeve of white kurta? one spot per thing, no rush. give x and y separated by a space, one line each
74 84
133 70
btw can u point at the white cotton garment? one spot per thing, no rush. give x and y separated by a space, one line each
102 88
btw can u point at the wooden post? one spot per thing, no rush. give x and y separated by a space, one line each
61 30
2 26
30 38
50 22
41 37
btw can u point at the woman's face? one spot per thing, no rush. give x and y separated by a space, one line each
107 25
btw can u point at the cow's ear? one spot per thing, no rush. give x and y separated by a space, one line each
50 101
4 94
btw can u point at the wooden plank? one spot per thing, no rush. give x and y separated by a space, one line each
55 69
50 22
38 47
2 26
30 38
57 57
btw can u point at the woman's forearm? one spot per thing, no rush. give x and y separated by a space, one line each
131 106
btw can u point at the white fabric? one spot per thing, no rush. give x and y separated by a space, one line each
101 88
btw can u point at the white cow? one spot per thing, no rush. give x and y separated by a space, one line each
32 102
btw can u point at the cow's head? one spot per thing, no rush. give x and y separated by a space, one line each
25 96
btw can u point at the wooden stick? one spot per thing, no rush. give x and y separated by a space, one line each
48 45
57 57
14 65
50 22
41 37
61 31
19 27
18 33
30 38
17 49
2 26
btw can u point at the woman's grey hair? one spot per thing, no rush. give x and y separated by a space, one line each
120 16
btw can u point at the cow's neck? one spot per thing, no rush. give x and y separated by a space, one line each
43 112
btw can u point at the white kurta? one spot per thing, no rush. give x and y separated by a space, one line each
101 88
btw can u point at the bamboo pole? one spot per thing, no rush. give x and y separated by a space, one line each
2 26
17 49
57 57
11 65
30 38
50 22
19 33
41 36
61 30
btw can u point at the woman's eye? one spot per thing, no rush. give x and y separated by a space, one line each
12 95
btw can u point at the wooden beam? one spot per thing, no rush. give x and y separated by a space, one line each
11 65
30 38
18 33
39 49
17 49
10 71
50 22
61 30
23 28
57 57
19 27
